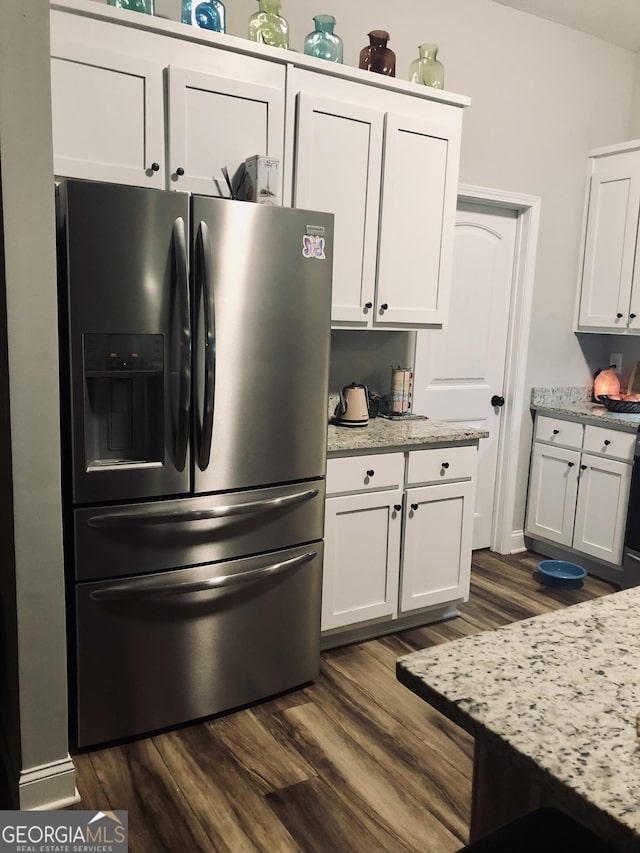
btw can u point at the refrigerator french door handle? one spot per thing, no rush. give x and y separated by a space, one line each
184 393
204 285
150 587
135 519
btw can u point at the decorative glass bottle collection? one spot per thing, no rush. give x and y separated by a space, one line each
427 69
267 26
208 14
323 43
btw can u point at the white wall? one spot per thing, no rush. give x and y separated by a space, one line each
33 639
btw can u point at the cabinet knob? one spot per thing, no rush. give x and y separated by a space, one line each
497 401
155 167
445 464
368 304
414 507
370 472
583 467
607 442
619 316
570 464
180 171
556 431
397 507
632 316
384 306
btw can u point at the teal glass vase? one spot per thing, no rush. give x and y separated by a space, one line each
323 43
145 6
208 14
267 26
427 68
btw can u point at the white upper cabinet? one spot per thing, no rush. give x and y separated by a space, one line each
108 115
149 109
338 169
609 296
386 164
216 122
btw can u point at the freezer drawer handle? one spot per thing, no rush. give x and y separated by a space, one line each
133 519
152 587
204 286
182 287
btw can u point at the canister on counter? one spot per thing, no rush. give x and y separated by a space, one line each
401 390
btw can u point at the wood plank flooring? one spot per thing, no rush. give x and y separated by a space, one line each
352 762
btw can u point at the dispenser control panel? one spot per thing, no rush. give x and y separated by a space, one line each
105 353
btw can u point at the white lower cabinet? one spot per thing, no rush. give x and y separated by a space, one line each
398 535
578 493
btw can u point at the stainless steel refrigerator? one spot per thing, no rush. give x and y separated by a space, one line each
195 344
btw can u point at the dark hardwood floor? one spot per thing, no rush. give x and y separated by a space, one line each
352 762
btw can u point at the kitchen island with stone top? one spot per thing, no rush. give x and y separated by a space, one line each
552 702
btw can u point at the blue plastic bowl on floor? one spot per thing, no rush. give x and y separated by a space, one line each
561 574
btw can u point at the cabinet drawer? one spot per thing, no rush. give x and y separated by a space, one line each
442 464
365 473
610 442
557 431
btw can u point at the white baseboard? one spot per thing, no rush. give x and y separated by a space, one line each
48 786
518 545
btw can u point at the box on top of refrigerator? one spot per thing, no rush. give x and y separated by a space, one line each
262 181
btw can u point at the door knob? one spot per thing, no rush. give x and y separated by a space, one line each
155 167
497 401
180 171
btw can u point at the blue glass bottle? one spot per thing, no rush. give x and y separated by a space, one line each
208 14
323 42
145 6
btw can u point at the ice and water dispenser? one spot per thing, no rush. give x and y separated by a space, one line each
123 400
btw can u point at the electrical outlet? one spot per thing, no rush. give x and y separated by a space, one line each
615 358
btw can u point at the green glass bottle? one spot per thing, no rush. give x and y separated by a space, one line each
267 26
427 69
323 42
145 6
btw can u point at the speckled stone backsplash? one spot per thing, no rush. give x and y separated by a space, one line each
554 396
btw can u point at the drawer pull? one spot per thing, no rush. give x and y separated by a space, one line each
370 472
556 431
414 507
397 507
445 465
607 442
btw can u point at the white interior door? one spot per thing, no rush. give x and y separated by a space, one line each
459 369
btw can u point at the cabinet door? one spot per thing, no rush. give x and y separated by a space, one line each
361 558
107 114
610 244
552 493
419 190
338 159
217 122
601 510
438 529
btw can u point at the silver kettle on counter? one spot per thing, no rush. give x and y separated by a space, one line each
353 407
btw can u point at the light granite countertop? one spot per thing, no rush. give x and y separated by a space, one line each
382 434
576 403
561 691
